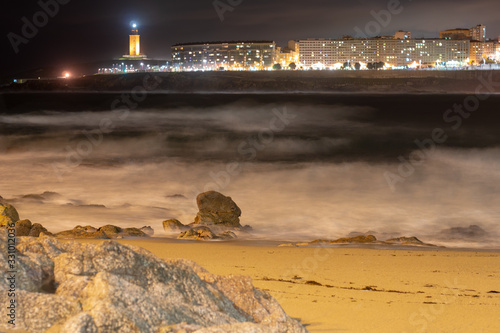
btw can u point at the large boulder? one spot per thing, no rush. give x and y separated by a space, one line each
8 213
215 208
108 287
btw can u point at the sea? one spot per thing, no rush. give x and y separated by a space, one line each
301 166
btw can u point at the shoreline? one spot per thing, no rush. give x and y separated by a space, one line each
277 243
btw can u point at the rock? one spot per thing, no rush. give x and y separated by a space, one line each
147 230
87 228
132 232
317 241
109 287
349 240
78 232
105 232
357 240
38 229
173 225
215 208
81 323
369 239
26 228
110 230
411 241
23 227
198 233
8 213
405 241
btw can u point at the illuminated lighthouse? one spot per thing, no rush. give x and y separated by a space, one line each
135 44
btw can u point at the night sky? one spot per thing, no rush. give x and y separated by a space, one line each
97 30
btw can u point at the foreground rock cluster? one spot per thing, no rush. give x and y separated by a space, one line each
74 287
9 216
218 217
105 232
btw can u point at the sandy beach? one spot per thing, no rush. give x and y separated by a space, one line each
359 289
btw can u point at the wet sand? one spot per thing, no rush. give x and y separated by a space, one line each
359 289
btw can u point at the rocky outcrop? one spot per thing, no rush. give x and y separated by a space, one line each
37 229
357 240
218 218
363 239
10 216
217 209
173 225
74 287
8 213
26 228
105 232
405 241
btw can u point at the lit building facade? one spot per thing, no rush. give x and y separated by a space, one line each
481 52
243 55
332 54
288 55
458 33
478 33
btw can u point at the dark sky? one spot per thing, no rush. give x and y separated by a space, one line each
95 30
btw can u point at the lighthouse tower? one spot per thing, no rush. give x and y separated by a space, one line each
135 42
135 45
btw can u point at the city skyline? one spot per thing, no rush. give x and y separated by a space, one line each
75 35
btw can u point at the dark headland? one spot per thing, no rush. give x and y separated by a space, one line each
404 81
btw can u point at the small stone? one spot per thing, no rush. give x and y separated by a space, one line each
198 233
